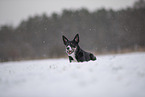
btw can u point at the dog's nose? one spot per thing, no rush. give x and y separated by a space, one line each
67 48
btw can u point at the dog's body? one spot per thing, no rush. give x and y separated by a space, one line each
75 52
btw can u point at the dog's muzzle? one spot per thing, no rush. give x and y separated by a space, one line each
69 50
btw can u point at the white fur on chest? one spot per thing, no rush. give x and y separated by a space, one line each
73 56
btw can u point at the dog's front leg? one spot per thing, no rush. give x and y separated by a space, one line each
70 59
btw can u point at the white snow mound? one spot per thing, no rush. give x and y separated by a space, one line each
121 75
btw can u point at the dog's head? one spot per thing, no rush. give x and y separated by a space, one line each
71 46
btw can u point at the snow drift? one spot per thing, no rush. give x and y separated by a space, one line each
121 75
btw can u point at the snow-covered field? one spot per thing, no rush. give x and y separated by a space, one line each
121 75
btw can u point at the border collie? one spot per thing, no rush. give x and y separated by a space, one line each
74 51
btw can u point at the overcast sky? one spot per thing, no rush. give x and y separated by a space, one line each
14 11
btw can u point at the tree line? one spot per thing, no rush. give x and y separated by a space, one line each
100 31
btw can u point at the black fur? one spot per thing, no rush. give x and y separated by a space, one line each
80 54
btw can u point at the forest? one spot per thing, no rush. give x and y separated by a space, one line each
101 31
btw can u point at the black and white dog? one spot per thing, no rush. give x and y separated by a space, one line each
75 52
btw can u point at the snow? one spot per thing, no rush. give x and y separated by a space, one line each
121 75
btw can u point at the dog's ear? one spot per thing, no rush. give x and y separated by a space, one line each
76 39
65 40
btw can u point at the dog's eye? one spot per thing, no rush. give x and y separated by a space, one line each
72 44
